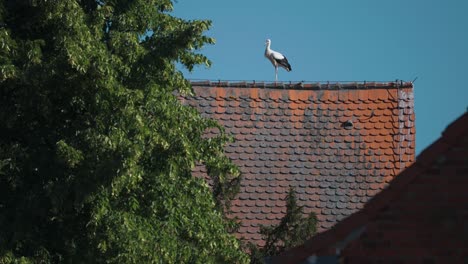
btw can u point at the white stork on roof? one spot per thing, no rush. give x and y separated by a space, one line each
276 58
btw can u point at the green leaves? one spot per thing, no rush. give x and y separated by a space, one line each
96 148
293 230
68 155
7 55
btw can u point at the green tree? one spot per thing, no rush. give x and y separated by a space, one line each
293 230
96 151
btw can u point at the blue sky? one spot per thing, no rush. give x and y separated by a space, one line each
343 40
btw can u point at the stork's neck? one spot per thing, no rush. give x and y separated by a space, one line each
267 49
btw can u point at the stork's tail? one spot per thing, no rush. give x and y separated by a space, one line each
285 64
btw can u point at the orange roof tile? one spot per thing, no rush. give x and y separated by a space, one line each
337 144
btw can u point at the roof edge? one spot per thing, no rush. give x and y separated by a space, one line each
305 85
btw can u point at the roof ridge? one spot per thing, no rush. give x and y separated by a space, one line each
305 85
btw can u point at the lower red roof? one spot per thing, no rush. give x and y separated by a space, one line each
420 218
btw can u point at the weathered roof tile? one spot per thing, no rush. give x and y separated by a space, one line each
298 138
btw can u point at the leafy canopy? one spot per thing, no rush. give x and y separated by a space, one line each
96 150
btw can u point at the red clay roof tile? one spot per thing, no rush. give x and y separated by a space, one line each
294 135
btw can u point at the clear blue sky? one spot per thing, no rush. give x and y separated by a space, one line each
344 40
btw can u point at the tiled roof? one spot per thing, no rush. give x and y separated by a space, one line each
420 218
337 144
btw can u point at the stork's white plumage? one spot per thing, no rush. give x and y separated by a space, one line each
276 58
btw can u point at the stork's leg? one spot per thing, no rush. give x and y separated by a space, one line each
276 74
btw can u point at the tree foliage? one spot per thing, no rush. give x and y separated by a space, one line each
293 230
96 151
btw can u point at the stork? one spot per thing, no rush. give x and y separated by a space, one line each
276 58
